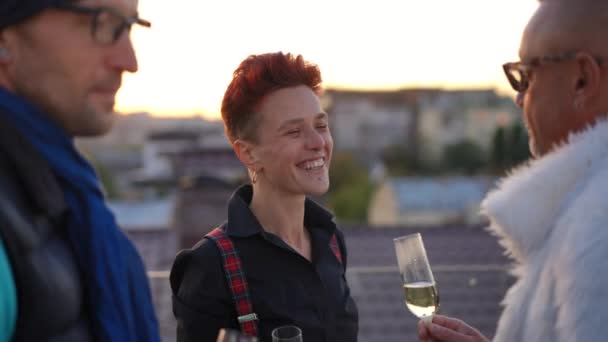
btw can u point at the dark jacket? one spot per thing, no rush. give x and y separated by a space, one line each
286 289
32 226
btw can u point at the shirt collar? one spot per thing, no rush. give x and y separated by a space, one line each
243 223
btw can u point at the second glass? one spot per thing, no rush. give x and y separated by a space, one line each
421 296
287 333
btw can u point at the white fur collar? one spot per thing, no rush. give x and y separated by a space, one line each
526 204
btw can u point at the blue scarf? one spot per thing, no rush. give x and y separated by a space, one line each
117 290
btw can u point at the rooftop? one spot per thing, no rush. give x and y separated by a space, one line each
148 215
468 264
415 193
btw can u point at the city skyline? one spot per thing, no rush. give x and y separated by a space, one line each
187 58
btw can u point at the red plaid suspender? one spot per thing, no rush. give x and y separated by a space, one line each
333 243
237 281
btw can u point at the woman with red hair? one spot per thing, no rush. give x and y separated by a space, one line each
279 259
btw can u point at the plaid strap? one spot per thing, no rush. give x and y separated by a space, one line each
333 243
237 282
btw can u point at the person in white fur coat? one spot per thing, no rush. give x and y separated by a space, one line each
551 214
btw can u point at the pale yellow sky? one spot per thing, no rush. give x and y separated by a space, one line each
187 58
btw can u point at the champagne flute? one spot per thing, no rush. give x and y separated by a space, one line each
287 333
230 335
421 296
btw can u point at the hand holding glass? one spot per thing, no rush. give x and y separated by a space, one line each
421 296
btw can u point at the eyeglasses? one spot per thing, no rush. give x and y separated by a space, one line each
107 25
518 73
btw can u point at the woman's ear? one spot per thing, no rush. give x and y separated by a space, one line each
244 150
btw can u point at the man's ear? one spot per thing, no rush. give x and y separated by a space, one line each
588 80
244 150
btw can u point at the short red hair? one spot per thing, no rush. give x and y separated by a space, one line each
256 77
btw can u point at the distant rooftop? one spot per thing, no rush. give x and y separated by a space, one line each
149 215
415 193
386 97
175 134
409 94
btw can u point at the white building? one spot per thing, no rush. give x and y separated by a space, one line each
423 120
157 148
366 122
462 115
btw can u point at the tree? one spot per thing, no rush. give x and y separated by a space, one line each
401 161
520 149
509 147
350 203
106 178
498 158
465 156
345 170
351 188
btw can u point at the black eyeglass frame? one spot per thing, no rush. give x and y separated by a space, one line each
524 68
95 12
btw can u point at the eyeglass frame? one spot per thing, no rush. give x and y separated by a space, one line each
95 12
524 68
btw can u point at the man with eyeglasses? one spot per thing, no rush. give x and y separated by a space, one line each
67 273
552 214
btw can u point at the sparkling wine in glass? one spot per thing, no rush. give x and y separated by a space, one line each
421 296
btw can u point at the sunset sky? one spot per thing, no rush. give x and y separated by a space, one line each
186 59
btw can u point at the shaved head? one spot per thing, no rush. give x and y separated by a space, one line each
568 94
566 25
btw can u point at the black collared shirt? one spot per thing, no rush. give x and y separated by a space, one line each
286 289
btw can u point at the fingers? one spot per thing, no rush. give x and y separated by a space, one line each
423 331
441 333
445 328
454 324
449 329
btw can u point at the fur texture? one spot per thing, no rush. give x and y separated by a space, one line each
551 216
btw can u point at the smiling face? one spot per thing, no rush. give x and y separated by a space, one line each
293 144
57 65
